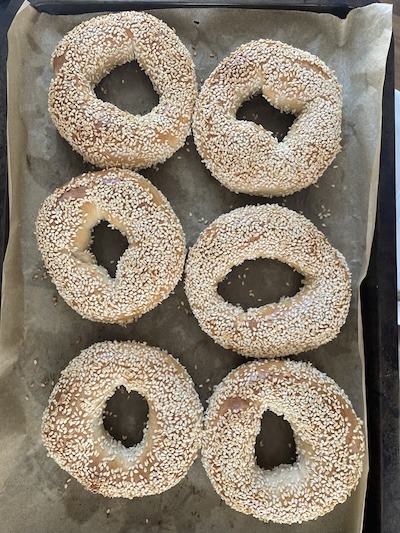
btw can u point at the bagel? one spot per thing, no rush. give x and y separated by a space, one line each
103 134
244 156
74 434
328 435
303 322
147 271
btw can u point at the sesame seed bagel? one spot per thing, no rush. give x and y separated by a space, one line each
243 155
103 134
310 318
74 434
328 435
149 268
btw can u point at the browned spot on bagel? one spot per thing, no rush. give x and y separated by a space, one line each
58 61
168 138
268 310
252 323
314 67
234 404
156 195
78 192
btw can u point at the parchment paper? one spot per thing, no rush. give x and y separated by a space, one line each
40 334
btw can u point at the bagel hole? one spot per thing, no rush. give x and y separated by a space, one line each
128 88
260 111
275 443
259 282
125 416
108 245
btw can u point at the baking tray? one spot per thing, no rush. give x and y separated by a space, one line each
378 290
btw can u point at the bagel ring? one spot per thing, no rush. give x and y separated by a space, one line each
149 268
243 155
103 134
310 318
75 437
329 442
